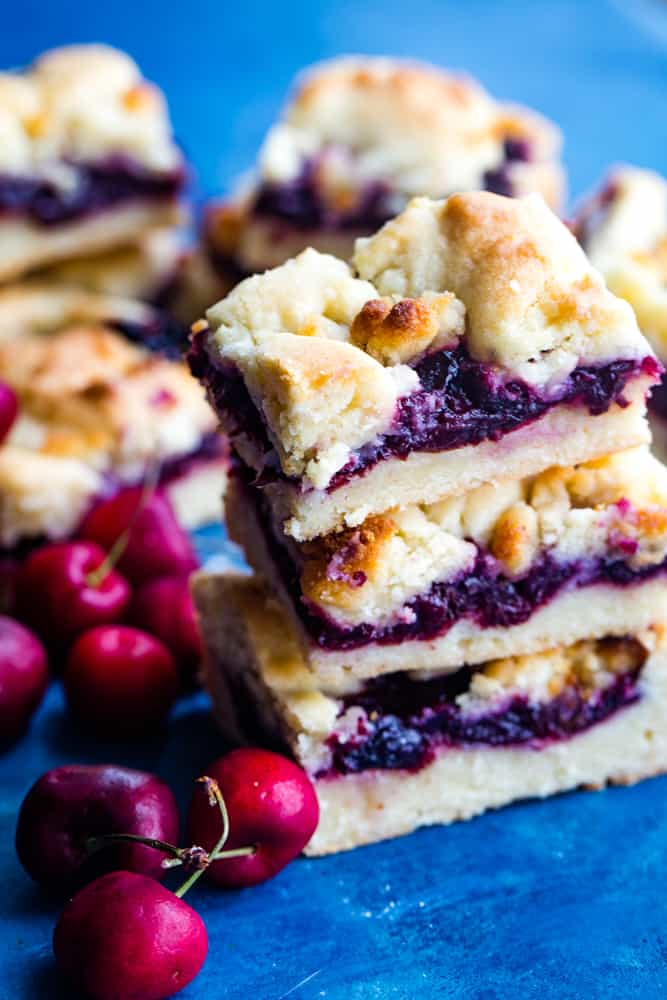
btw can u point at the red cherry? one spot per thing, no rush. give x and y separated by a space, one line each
271 804
156 545
59 595
24 677
120 681
70 804
9 408
126 937
165 608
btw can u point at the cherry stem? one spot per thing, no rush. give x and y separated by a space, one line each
98 575
94 844
182 855
215 799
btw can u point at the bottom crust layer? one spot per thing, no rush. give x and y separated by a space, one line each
364 808
260 686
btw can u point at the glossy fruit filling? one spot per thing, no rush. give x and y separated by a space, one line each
300 204
460 402
403 722
95 187
483 595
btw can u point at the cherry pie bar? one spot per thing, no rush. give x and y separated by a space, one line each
390 754
470 341
87 158
501 571
623 229
360 137
97 410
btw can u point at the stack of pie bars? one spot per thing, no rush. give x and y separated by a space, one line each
442 478
91 186
458 534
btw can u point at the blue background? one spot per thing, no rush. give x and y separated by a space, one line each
564 899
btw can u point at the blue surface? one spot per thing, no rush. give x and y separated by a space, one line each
563 899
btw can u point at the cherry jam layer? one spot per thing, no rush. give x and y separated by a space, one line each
481 595
95 187
657 401
499 179
299 204
405 722
460 402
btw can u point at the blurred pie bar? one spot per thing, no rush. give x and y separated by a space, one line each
623 228
98 410
87 159
469 342
390 754
501 571
359 139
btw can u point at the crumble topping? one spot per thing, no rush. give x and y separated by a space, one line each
81 103
91 405
364 573
322 397
589 665
614 507
323 352
624 231
420 129
360 137
534 305
395 330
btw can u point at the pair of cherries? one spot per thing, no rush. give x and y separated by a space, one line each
123 934
116 602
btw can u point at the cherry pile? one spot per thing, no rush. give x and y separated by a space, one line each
109 833
113 606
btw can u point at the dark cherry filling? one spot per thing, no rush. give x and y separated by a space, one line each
499 179
408 720
657 401
299 204
461 402
98 186
228 396
481 594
